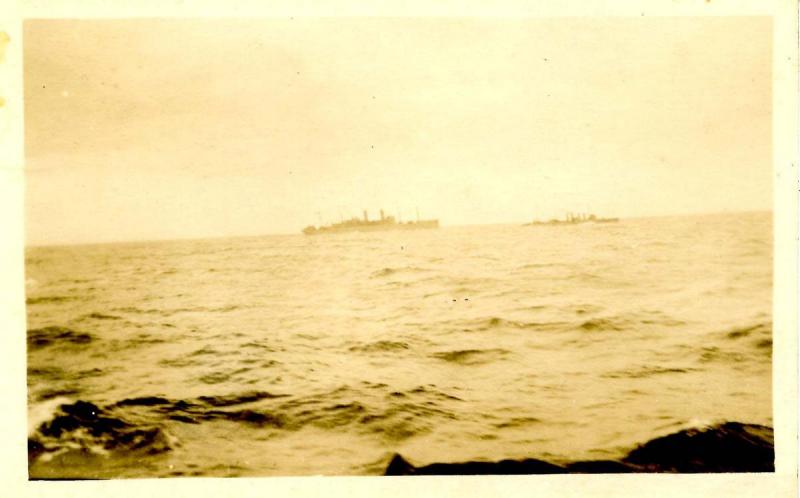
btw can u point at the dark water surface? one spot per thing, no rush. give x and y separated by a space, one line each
284 355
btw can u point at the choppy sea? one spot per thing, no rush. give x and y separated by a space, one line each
308 355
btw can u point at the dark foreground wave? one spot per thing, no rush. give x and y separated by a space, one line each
84 428
726 447
139 428
118 429
134 427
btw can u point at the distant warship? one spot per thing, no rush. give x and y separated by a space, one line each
367 225
574 219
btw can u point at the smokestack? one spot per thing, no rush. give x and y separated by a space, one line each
381 214
365 215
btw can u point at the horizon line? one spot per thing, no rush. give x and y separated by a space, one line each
27 245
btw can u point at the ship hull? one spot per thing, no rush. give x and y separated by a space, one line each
560 223
377 227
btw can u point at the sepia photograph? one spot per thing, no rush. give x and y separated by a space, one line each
398 246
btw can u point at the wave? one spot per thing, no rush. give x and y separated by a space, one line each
746 331
596 324
603 324
583 309
628 321
88 373
169 312
764 344
58 426
143 339
725 447
179 362
143 401
206 408
584 276
83 427
250 417
495 322
385 272
53 335
220 376
430 391
517 422
472 356
380 346
404 420
536 266
55 393
713 353
644 372
49 373
398 416
259 345
238 399
59 383
740 343
101 316
217 309
204 351
49 299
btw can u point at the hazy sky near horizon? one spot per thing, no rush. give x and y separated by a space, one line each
149 129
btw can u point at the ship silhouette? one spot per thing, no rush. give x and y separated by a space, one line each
574 219
366 225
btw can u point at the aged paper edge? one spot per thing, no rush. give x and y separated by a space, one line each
12 301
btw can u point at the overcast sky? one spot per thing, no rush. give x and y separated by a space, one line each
149 129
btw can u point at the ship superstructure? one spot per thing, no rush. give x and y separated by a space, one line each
574 219
366 225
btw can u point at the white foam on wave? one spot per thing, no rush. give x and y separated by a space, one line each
40 413
700 423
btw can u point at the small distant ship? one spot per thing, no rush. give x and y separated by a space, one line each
366 225
574 219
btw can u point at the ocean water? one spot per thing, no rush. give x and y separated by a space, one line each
298 355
